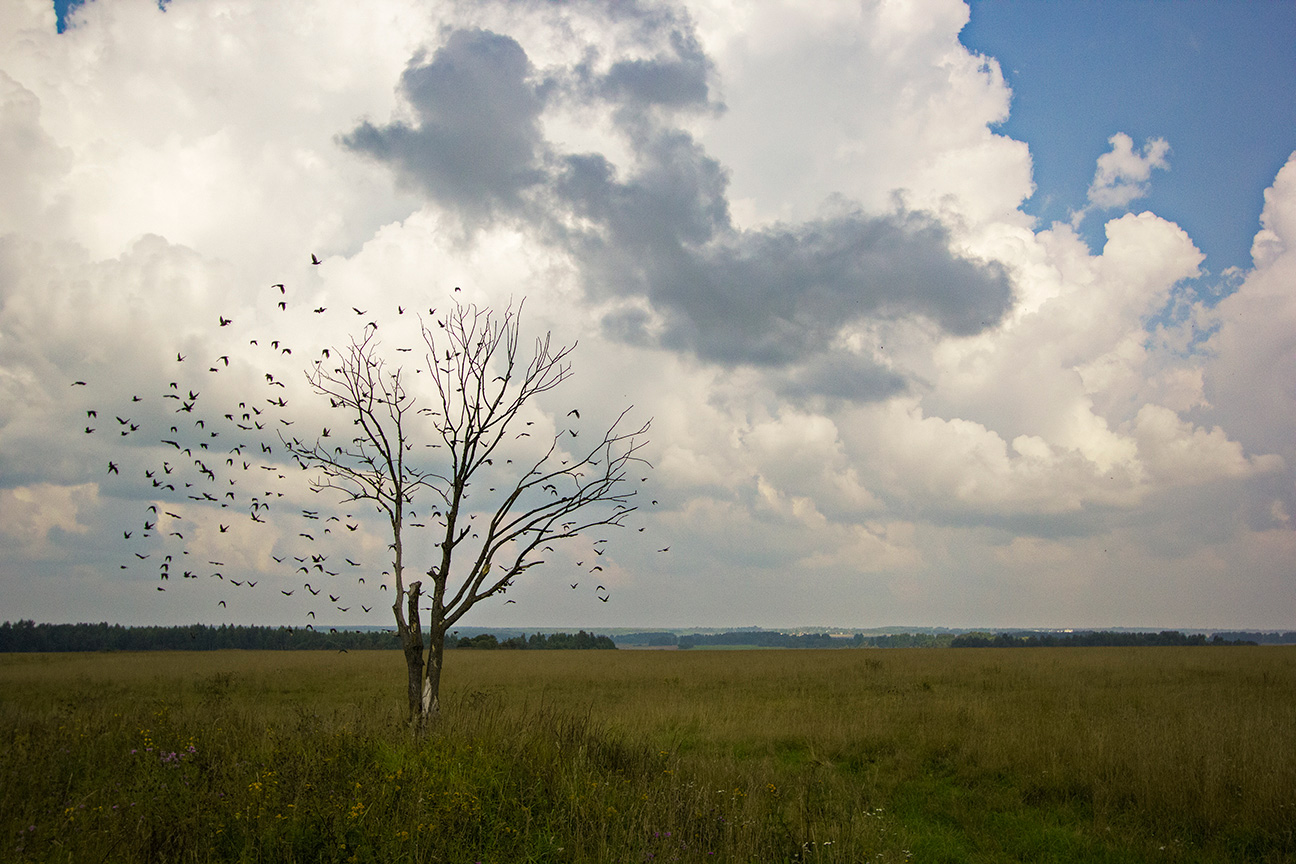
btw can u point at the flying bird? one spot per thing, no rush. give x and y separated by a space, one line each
315 260
112 468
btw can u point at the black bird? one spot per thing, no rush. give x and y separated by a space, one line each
574 411
112 468
78 384
604 599
179 357
286 593
315 260
225 322
92 413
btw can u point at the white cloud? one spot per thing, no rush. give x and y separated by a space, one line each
1123 173
841 433
28 515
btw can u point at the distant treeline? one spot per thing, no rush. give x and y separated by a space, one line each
26 636
777 639
552 641
1095 638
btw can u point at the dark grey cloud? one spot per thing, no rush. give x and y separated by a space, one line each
843 376
773 296
660 237
476 144
677 80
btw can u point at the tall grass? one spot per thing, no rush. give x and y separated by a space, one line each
850 755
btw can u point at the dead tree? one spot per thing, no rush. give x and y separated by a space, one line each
480 386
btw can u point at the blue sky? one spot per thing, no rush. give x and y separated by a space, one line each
824 245
1216 80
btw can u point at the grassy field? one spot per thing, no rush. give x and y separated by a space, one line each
989 755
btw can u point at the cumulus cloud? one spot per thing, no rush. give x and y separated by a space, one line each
1123 173
654 239
474 142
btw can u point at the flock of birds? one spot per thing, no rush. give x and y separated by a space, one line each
220 461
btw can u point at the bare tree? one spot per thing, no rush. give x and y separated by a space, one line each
481 385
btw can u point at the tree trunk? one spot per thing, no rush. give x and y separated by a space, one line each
412 642
432 684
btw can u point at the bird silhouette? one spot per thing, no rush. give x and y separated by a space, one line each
315 260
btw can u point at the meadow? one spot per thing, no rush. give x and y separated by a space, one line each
977 755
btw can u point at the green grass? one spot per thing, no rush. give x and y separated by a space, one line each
994 755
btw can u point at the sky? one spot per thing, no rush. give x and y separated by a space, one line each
942 316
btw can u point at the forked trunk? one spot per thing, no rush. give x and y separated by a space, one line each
412 642
432 683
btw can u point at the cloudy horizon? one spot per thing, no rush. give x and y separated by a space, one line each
893 379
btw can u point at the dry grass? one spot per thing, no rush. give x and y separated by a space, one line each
847 755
